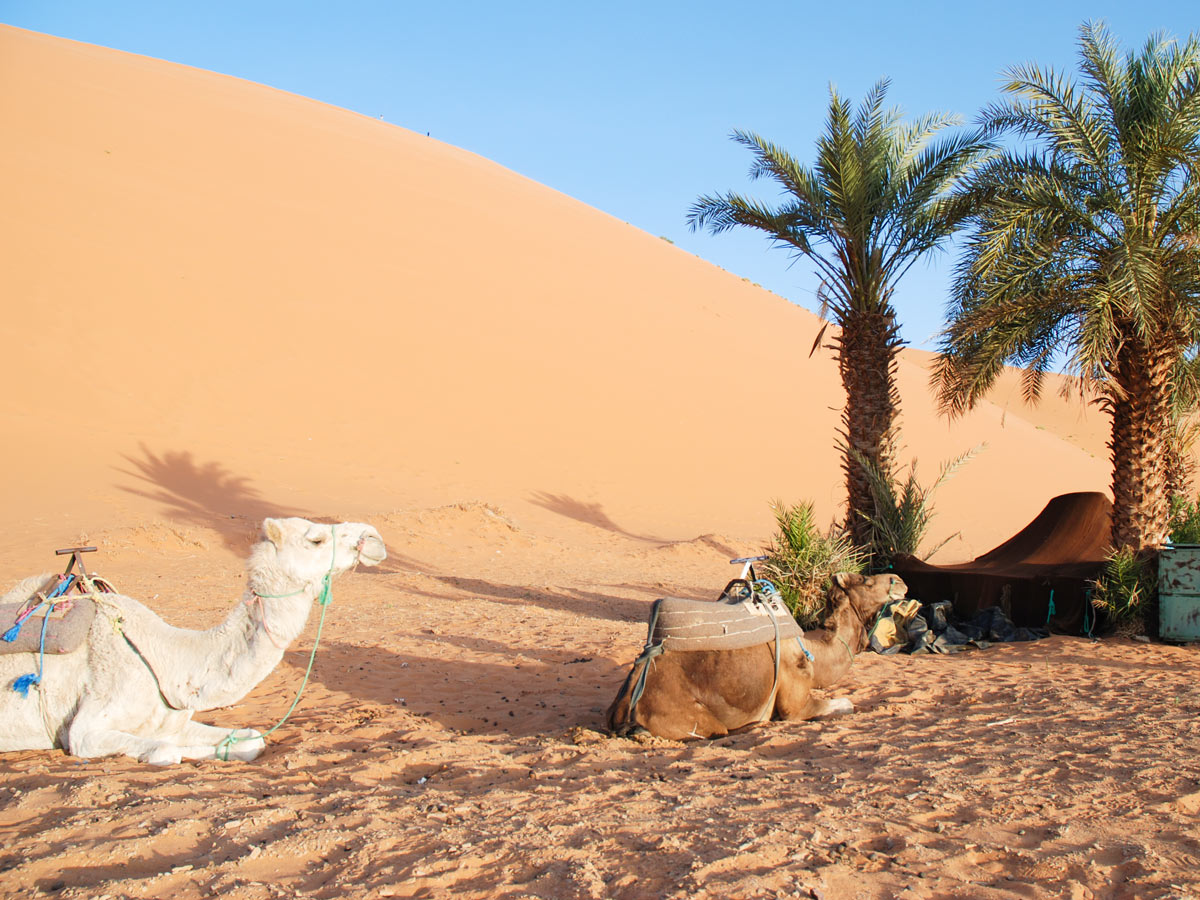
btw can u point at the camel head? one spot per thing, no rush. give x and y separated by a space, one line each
305 551
866 594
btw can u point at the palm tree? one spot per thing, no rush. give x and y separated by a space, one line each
1087 244
1185 427
879 198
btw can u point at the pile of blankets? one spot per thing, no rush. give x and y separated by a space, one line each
910 626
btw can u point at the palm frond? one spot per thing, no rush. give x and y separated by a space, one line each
802 560
1087 243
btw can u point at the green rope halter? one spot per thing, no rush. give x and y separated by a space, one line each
324 598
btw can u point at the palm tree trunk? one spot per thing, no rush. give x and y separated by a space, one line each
1180 465
867 350
1140 446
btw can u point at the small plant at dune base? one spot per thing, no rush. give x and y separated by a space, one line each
1127 591
903 510
802 561
1185 520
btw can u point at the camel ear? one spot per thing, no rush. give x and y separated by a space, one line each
273 532
840 579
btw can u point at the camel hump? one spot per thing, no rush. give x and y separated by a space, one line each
705 625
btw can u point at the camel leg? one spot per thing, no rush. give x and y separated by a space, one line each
93 732
89 737
812 708
822 709
208 744
795 700
199 741
693 721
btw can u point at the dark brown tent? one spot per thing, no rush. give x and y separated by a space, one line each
1053 558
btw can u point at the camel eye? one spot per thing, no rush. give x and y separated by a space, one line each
317 541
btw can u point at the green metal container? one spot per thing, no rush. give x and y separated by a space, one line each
1179 592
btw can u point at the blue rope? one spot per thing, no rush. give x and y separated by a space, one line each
22 684
762 586
63 586
1050 609
25 682
807 652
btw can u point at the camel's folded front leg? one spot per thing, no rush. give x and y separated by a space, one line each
101 728
795 700
822 709
208 742
167 738
87 741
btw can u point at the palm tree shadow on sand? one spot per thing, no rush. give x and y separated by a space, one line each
589 513
206 495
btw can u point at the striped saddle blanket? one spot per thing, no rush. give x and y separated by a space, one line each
704 625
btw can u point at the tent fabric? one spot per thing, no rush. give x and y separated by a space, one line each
1040 577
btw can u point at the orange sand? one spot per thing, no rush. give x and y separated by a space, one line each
225 302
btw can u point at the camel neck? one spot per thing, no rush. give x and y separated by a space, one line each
849 629
236 655
279 618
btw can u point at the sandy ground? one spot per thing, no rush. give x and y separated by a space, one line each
450 743
223 302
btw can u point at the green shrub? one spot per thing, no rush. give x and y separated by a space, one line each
1185 520
1127 591
802 561
903 510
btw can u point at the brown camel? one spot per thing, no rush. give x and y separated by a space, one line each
709 693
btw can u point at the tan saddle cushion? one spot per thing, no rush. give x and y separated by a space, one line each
705 625
66 630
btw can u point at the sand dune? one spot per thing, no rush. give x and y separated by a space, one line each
225 302
223 289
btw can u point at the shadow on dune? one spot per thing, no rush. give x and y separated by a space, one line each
206 495
395 564
571 600
589 513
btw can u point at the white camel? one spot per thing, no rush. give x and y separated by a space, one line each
136 681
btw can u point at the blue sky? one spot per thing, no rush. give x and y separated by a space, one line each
625 106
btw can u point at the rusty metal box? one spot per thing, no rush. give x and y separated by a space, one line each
1179 592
